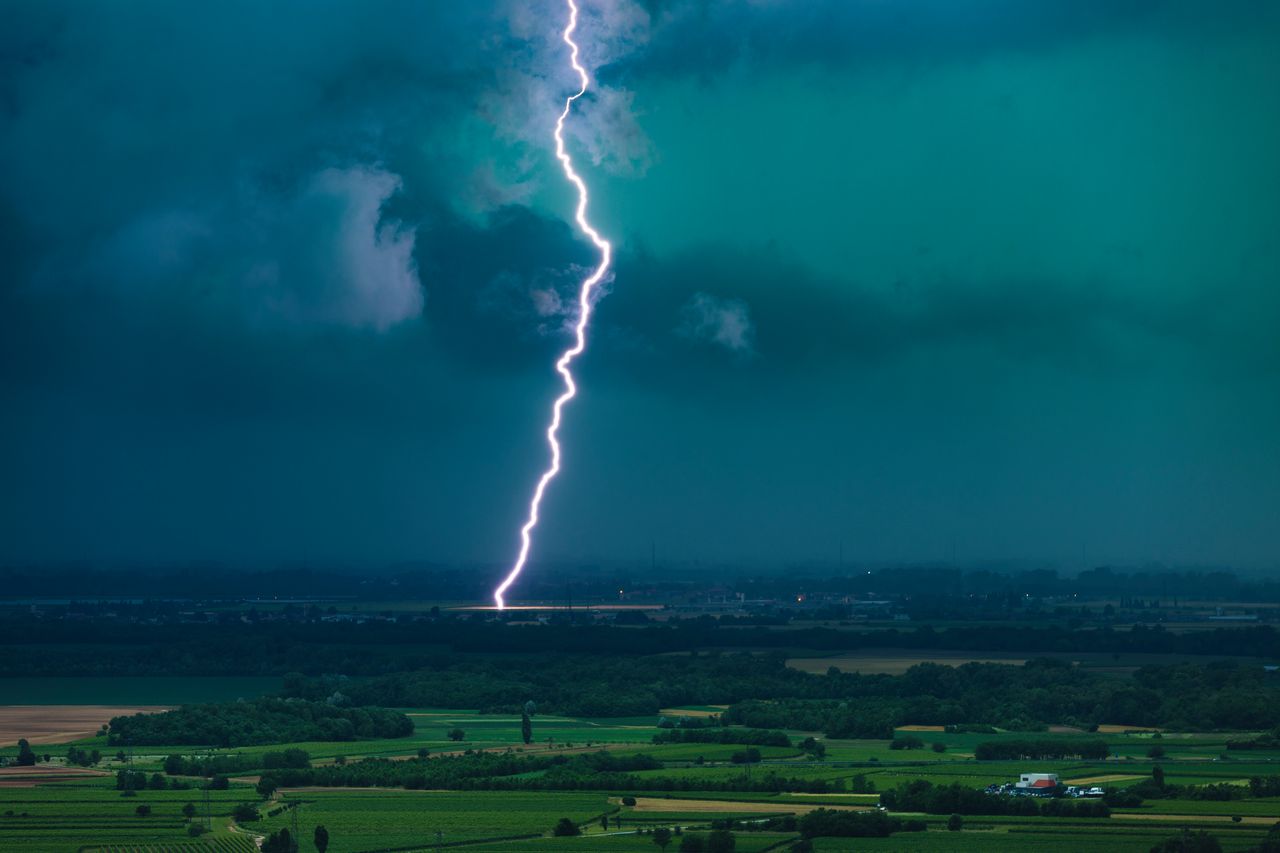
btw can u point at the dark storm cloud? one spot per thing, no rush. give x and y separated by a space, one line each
801 324
256 154
697 37
284 280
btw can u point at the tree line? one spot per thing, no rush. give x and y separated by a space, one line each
262 721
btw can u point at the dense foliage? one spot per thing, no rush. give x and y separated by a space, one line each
511 772
854 824
923 796
262 721
75 647
1184 696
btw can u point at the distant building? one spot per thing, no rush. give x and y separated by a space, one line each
1044 784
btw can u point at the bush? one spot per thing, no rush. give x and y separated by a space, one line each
565 828
906 742
456 734
693 843
245 813
628 801
955 823
279 842
938 746
293 758
195 830
142 810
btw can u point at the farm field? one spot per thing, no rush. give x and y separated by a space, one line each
44 724
398 818
68 815
53 812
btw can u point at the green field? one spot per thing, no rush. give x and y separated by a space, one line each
90 814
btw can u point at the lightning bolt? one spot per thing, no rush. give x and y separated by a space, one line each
584 309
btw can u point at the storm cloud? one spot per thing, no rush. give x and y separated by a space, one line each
285 281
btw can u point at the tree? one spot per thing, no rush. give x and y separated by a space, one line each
693 843
244 813
26 757
939 746
1157 775
157 782
816 748
423 752
720 841
189 811
266 787
604 822
662 837
279 842
955 823
321 838
526 728
142 810
1156 751
456 734
565 828
173 765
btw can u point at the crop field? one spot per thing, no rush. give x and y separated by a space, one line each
67 815
66 808
397 818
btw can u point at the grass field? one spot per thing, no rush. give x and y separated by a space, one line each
52 812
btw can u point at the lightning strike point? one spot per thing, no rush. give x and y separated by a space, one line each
585 291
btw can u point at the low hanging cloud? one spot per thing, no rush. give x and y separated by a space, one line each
336 260
723 322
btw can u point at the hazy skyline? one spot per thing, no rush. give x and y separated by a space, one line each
283 282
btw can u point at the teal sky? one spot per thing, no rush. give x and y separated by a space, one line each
988 282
